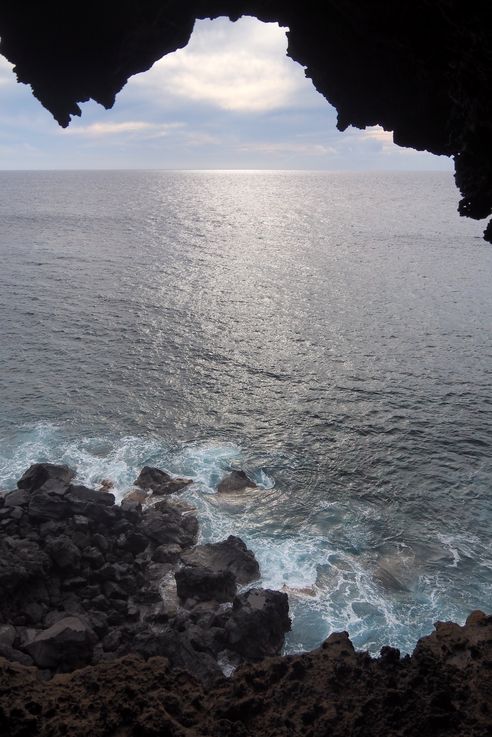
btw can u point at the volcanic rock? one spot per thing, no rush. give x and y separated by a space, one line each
258 623
227 555
202 584
65 645
39 473
160 482
235 481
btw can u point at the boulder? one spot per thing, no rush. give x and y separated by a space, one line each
81 495
169 527
166 553
64 554
258 622
65 645
18 498
227 555
39 473
20 561
136 495
202 584
45 505
15 656
235 481
160 482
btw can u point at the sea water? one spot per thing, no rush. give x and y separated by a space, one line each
329 333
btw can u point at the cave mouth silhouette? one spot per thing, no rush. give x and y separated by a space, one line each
419 69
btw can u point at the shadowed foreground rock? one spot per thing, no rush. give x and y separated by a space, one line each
443 689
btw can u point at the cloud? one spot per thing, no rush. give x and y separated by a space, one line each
6 75
285 147
239 67
376 133
118 128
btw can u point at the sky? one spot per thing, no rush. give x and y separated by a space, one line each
231 99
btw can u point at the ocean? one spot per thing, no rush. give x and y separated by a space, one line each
330 333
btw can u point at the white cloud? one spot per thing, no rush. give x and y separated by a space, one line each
118 128
241 67
284 147
376 133
6 75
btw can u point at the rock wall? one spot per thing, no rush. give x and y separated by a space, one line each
422 68
443 689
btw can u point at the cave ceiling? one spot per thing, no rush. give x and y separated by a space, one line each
422 69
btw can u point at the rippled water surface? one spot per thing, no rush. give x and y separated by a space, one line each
330 333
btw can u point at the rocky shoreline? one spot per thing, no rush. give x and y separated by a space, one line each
85 580
113 621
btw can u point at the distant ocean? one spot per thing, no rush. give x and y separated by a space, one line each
330 333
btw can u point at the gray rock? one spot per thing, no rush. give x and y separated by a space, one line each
39 473
20 560
235 481
227 555
160 482
79 495
17 498
64 645
169 527
258 622
64 553
166 554
202 584
45 505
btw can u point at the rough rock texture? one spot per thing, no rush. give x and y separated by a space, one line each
159 482
422 69
85 581
443 689
235 481
227 555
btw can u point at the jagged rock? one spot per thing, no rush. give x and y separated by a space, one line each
258 622
168 527
14 655
65 645
235 481
227 555
64 553
79 496
93 580
17 498
47 505
202 584
136 495
166 553
39 473
20 560
160 482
